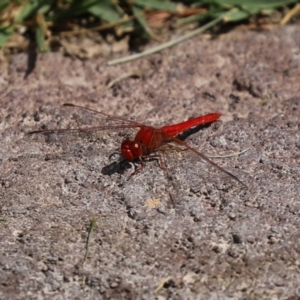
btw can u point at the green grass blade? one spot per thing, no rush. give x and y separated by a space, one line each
255 4
5 34
139 14
109 12
78 8
40 39
157 4
105 10
91 229
194 18
3 5
31 8
236 15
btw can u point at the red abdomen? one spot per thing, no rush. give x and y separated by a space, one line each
173 130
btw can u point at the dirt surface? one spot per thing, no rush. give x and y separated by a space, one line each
217 240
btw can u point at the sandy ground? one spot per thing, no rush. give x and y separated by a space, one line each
217 240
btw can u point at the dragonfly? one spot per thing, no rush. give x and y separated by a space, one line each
148 139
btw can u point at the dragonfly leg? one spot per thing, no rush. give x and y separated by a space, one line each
163 165
159 158
141 159
137 170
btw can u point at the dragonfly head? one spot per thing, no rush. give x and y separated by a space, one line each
131 150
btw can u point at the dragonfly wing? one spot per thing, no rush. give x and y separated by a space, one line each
108 118
206 159
192 171
71 126
77 118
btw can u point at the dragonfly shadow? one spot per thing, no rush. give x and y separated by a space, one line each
116 167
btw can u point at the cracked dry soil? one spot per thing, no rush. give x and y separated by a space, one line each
218 241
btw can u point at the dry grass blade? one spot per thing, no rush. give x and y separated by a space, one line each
92 227
229 155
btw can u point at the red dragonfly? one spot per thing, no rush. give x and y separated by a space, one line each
148 139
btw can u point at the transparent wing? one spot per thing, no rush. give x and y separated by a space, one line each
206 159
86 119
194 172
72 129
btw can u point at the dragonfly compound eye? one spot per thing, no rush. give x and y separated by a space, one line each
131 150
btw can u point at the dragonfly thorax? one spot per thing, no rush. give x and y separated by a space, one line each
131 150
